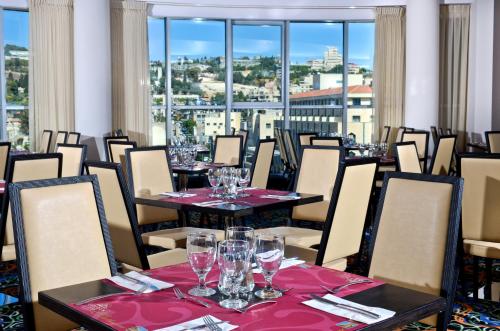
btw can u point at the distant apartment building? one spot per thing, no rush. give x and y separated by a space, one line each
323 81
353 68
332 58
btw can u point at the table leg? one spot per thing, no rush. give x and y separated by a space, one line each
183 182
489 279
475 276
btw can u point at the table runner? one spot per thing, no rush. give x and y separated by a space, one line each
161 309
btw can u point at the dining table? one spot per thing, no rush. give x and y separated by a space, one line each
162 309
183 171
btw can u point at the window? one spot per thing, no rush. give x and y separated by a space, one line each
16 56
356 119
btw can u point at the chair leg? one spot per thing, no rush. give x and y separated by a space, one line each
489 279
475 277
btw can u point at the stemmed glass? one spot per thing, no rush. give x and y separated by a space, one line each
215 179
244 233
243 175
201 251
234 261
269 254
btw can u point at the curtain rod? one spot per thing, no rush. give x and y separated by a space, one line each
190 4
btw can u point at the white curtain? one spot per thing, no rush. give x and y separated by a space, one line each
130 70
51 67
454 61
389 69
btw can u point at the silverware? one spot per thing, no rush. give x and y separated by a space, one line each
337 289
345 307
139 282
244 309
200 327
304 266
139 291
210 323
178 293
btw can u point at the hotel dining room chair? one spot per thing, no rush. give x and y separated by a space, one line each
123 227
407 157
316 175
73 138
305 138
61 138
149 173
449 131
107 140
481 211
278 133
435 135
262 162
4 158
421 139
229 150
349 205
244 134
73 157
493 141
384 136
46 141
399 135
22 168
290 150
415 236
117 153
326 141
59 244
442 157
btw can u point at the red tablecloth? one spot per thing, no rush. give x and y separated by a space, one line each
161 309
2 187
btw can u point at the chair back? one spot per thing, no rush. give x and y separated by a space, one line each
290 150
493 141
449 131
117 151
73 138
305 138
343 229
262 163
244 135
45 141
278 133
107 140
481 211
4 157
316 175
407 157
443 155
421 139
384 136
73 158
58 244
326 141
399 135
61 138
149 173
435 135
228 150
415 235
123 228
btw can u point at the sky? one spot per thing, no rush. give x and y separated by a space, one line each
307 40
16 28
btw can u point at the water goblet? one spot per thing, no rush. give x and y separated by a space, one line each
201 250
244 233
243 175
214 179
269 254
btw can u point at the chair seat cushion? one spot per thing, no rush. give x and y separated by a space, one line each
296 236
315 212
166 258
176 237
482 248
338 264
9 252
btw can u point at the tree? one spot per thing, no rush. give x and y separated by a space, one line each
218 99
338 69
188 126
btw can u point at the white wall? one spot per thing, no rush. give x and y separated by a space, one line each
495 116
92 72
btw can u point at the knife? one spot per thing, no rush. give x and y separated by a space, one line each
137 281
345 307
203 326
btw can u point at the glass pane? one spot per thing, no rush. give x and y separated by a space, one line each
198 62
360 106
316 77
199 125
257 63
156 36
16 34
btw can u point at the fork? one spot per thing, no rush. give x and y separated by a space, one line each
210 323
337 289
244 309
178 293
139 291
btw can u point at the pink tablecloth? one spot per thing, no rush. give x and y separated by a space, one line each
2 186
161 309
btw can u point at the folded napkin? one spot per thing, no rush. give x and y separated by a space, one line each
280 197
247 188
197 324
210 203
178 194
285 263
384 313
155 284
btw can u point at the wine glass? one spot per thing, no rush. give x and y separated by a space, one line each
269 253
234 262
244 233
214 179
243 179
201 251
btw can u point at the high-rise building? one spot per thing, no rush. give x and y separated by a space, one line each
332 58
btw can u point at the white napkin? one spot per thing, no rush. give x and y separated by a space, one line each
156 284
178 194
384 313
279 197
198 322
285 263
210 203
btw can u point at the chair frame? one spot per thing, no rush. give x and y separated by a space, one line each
487 136
240 161
435 135
426 152
282 147
386 138
6 143
291 150
78 135
17 218
395 152
65 136
300 134
256 155
245 143
112 142
106 144
339 139
84 153
434 154
129 206
50 139
450 270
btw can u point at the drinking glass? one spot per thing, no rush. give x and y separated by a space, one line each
201 251
214 178
244 233
243 175
269 253
234 262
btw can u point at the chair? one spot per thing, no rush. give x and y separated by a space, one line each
435 135
493 141
481 211
316 175
421 139
73 158
281 146
45 141
117 151
59 244
73 138
4 157
449 132
123 228
415 236
441 131
305 138
399 135
22 168
384 136
343 230
407 157
262 162
228 150
61 138
326 141
244 135
443 155
109 139
290 150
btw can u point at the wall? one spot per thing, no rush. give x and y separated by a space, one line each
495 115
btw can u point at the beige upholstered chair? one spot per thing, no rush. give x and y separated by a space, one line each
149 173
399 135
228 150
415 236
4 158
407 157
127 242
262 163
46 141
244 135
62 243
443 155
293 160
107 140
117 152
73 158
493 141
23 168
435 135
345 222
421 139
278 133
73 138
481 211
316 175
384 135
61 138
305 138
326 141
